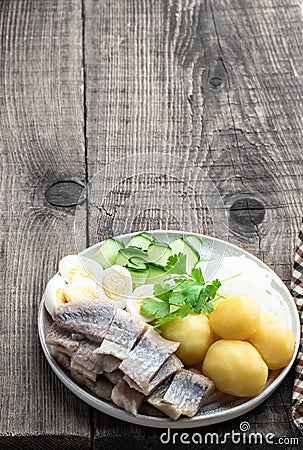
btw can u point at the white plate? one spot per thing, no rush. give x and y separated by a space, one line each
221 407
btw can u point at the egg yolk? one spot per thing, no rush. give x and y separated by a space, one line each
60 296
78 272
115 286
76 293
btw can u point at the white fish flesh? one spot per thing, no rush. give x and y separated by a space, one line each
171 366
184 394
123 333
127 398
146 358
59 337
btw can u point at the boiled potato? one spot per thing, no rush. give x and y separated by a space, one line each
235 318
274 340
194 334
235 367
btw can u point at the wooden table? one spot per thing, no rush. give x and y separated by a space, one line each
84 83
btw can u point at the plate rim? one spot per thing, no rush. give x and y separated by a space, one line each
159 422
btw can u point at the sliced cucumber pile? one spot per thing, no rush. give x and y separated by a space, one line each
107 253
146 257
182 245
142 241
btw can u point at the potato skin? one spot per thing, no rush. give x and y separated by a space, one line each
274 340
235 318
235 367
194 334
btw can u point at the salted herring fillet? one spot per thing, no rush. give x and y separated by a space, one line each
146 358
64 350
89 317
58 336
148 410
81 370
91 361
156 400
101 387
122 335
86 357
127 398
183 395
171 366
115 376
60 357
189 390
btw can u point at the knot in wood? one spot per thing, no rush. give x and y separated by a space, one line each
246 214
215 81
64 194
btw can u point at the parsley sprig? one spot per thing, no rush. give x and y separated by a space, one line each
183 293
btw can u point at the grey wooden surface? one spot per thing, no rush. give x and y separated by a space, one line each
84 83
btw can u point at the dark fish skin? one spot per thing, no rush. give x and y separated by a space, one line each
89 317
146 358
127 398
57 336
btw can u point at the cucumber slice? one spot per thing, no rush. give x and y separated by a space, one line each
126 254
138 277
195 242
158 253
182 246
137 263
107 253
156 274
140 241
148 236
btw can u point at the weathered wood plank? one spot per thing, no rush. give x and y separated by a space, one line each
42 142
218 83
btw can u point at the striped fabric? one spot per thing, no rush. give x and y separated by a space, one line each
297 293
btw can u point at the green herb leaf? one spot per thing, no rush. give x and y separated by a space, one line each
189 292
181 312
162 291
154 307
176 264
197 275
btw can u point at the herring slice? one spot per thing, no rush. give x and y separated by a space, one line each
127 398
157 401
83 371
61 358
89 317
183 395
114 377
59 337
86 357
146 358
122 335
100 387
171 366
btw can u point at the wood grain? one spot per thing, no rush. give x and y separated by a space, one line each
86 83
219 84
42 142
